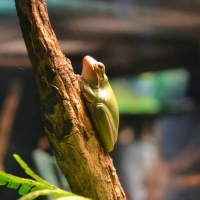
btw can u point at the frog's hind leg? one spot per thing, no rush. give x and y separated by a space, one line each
106 127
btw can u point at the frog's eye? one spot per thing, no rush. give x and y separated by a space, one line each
100 66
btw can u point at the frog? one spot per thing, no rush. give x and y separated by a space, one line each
100 101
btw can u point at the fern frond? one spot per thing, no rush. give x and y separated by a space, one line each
57 193
24 185
30 172
75 197
34 188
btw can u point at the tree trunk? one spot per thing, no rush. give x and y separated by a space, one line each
74 142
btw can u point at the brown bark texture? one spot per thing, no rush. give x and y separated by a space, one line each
72 137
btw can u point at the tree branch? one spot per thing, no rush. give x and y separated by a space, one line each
74 142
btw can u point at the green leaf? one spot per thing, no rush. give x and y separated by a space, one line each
32 189
30 172
72 198
52 192
24 185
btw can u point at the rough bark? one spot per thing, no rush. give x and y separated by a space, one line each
73 139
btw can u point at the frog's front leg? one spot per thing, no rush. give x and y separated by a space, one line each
86 90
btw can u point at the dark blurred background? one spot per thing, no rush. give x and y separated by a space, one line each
151 51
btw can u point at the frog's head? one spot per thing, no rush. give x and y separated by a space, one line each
93 72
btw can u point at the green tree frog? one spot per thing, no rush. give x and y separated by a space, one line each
100 101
